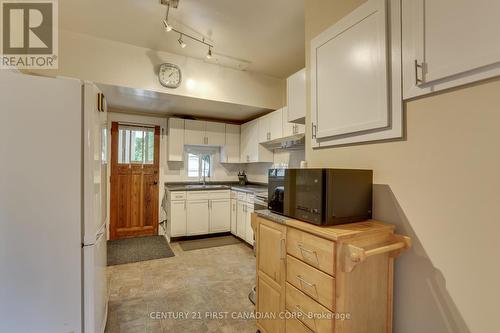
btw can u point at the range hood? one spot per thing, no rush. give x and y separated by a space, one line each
292 142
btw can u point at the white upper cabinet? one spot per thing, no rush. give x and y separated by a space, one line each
251 151
447 43
204 133
175 146
194 133
230 152
356 77
215 133
289 128
263 126
271 126
296 97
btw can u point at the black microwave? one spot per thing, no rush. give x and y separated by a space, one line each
321 196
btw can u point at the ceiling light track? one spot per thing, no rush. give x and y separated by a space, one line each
169 28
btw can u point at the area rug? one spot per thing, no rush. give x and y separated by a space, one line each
206 243
129 250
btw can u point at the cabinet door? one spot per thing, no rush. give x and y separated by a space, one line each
253 145
241 220
296 96
271 252
351 92
245 141
276 124
215 133
234 216
197 217
288 128
442 51
264 128
177 218
194 133
231 150
269 301
175 139
220 215
248 224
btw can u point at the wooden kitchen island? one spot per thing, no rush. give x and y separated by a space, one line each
324 279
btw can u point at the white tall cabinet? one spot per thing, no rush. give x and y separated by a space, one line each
447 43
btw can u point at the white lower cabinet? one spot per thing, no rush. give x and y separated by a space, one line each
234 215
198 213
220 215
241 218
248 223
197 218
177 218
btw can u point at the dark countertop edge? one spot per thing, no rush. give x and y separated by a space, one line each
249 188
267 214
229 183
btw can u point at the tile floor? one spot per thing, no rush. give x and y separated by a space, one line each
201 281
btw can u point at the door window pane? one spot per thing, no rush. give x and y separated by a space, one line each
136 145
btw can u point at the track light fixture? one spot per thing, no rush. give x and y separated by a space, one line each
169 27
181 42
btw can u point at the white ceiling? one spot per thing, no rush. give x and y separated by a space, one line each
136 100
267 34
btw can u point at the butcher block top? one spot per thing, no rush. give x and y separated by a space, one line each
335 233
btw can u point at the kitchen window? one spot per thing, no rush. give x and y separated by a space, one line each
199 162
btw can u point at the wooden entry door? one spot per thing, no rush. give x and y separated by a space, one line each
134 180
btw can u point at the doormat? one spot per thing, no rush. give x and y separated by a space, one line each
129 250
205 243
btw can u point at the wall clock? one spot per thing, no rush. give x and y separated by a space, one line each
170 75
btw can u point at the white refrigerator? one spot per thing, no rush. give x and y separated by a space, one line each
53 205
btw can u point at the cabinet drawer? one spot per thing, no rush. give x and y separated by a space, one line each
250 198
313 250
295 326
197 195
298 302
219 194
177 195
242 196
312 282
234 195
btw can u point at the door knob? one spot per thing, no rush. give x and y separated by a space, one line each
155 183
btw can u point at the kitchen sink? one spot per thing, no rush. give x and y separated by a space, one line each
207 187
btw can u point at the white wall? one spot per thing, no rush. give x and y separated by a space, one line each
441 186
114 63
